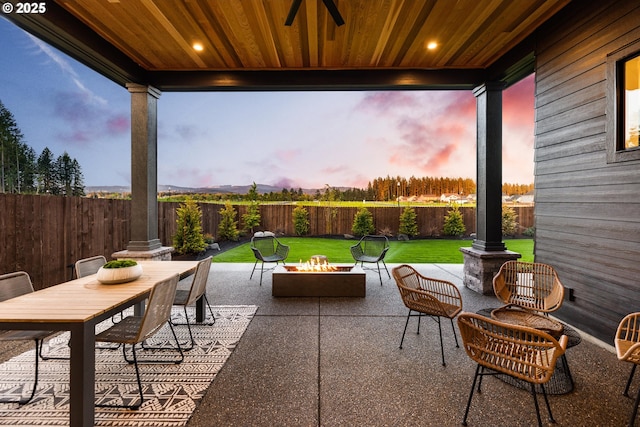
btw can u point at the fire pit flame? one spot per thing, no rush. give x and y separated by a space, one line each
315 265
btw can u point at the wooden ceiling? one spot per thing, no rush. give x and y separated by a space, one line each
155 38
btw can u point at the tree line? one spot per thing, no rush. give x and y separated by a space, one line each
21 171
380 189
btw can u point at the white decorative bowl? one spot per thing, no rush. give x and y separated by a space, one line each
114 276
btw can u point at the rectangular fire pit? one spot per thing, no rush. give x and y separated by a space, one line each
344 281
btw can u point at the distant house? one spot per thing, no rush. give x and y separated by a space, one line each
524 199
449 197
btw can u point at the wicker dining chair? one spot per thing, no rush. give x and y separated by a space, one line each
528 285
371 249
133 330
499 348
197 290
13 285
627 343
426 296
267 249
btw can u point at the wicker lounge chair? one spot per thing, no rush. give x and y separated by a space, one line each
498 348
532 286
431 297
628 350
371 249
267 249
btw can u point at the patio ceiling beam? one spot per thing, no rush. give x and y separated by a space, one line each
285 80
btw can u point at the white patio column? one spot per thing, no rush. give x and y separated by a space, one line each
144 168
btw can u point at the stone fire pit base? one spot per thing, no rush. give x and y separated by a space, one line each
346 282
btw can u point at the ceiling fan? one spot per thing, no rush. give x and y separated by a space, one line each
329 4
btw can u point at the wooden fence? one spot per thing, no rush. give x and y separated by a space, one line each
45 235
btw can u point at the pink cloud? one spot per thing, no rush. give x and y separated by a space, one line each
86 120
383 102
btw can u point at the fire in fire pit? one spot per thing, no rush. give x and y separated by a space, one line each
315 264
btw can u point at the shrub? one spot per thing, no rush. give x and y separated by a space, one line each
509 221
530 232
453 223
228 226
189 238
408 224
300 220
251 219
363 222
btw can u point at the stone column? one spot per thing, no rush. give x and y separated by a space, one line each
487 253
144 243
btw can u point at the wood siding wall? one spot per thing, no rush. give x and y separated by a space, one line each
587 211
44 235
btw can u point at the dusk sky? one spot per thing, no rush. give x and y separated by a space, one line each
286 139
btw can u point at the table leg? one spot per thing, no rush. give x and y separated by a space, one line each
200 310
82 376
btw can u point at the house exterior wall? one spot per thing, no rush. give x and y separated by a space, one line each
587 210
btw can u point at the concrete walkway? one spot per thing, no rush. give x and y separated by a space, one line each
336 362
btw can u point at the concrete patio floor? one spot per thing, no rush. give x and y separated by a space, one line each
336 362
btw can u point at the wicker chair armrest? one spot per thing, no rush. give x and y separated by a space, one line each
356 251
282 250
257 253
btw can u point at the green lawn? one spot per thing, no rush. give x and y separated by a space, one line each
425 251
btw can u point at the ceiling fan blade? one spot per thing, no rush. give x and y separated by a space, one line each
333 10
329 4
292 12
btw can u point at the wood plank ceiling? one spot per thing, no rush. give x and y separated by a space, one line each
250 34
158 36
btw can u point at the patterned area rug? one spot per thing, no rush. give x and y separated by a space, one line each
171 392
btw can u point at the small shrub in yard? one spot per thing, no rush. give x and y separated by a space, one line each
251 219
228 226
408 224
509 221
454 223
189 238
300 220
363 222
530 232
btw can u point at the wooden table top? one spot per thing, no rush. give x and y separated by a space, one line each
83 299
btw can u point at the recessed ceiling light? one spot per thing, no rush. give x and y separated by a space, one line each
432 45
198 47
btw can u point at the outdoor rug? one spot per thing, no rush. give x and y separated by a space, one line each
171 392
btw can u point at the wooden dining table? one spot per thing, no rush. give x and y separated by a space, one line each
78 306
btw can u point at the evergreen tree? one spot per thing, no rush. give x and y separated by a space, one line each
454 222
363 222
300 220
46 172
189 238
228 226
13 154
408 224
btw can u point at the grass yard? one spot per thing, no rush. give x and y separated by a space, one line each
423 251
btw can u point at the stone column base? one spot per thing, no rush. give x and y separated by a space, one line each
481 266
162 253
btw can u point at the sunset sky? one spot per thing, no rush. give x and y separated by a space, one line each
286 139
